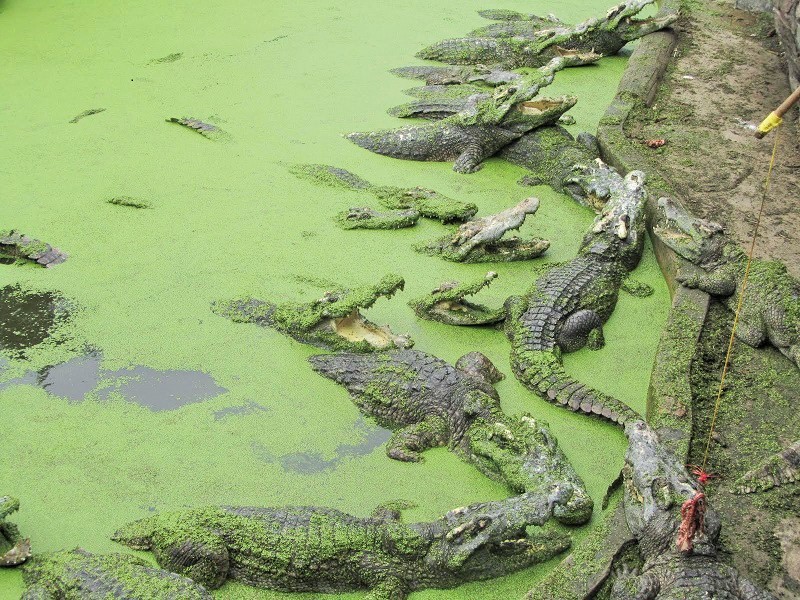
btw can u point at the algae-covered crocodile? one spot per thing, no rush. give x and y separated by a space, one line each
447 304
14 549
512 23
80 575
551 153
429 403
427 203
490 123
333 321
306 548
532 45
566 307
680 561
779 469
14 246
482 240
770 309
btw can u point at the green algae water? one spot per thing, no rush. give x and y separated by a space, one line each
164 405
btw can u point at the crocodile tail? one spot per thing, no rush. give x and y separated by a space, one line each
409 143
353 371
464 51
330 176
778 470
245 310
543 373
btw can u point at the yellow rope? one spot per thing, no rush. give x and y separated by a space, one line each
741 300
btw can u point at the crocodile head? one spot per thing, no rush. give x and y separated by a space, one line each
333 321
526 115
14 549
656 485
521 452
618 232
491 539
448 303
620 19
699 241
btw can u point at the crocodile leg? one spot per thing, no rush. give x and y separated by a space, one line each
633 587
581 327
408 443
721 282
38 592
470 159
750 333
390 588
197 554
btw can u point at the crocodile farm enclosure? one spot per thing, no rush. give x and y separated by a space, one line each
437 300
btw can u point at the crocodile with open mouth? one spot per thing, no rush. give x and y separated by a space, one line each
315 549
481 240
677 564
333 321
427 203
533 43
16 246
480 131
429 403
447 304
80 575
566 307
14 549
770 310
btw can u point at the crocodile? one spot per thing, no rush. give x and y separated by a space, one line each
447 304
551 153
15 246
770 309
80 575
566 307
779 469
490 123
428 203
429 403
512 23
481 240
678 563
333 321
364 217
14 549
438 75
316 549
604 35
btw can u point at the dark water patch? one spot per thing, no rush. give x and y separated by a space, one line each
27 318
309 463
164 390
72 379
247 408
29 378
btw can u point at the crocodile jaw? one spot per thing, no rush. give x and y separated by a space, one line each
356 328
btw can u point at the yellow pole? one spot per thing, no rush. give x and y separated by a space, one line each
776 116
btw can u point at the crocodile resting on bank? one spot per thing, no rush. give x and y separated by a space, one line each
566 307
314 549
429 403
531 45
427 203
80 575
481 240
770 309
487 125
656 485
333 322
14 245
14 549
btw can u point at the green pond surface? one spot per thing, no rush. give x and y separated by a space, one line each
162 404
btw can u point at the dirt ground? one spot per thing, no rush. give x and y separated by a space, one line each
728 74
